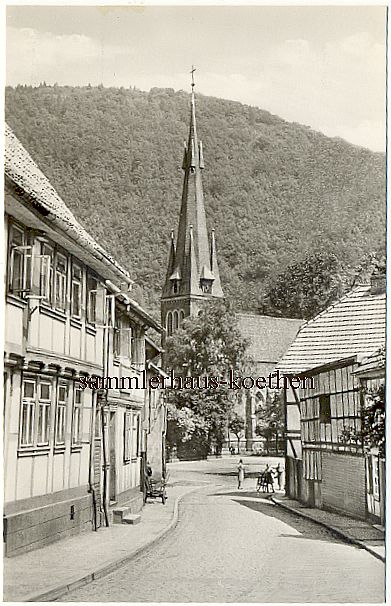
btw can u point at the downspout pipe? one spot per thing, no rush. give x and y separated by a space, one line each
103 402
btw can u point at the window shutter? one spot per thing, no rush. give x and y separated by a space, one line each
127 430
124 342
40 279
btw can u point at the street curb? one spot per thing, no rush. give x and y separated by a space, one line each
56 592
336 531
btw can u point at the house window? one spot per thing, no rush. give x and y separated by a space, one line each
35 414
324 409
60 282
92 286
62 398
127 436
76 291
135 435
117 337
17 261
46 273
44 403
77 415
27 416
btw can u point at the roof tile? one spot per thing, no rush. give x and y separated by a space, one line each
355 324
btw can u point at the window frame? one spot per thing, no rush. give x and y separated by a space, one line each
63 281
12 251
117 336
61 407
29 404
325 417
134 441
76 438
39 414
75 281
91 299
47 250
44 405
169 323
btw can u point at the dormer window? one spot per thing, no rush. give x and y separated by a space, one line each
206 286
175 280
206 280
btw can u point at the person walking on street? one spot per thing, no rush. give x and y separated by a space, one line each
240 474
279 472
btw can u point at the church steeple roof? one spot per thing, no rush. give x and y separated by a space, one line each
195 261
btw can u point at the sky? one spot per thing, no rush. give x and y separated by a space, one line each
320 66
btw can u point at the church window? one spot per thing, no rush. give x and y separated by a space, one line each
181 317
176 320
169 323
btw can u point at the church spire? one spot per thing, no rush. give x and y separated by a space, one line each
193 270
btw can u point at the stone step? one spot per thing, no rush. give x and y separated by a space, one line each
119 513
131 518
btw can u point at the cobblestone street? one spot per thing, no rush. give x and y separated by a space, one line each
235 546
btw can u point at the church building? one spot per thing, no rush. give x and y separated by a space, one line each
193 278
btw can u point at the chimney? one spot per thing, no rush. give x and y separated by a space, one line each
378 283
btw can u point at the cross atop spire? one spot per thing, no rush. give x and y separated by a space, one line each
193 69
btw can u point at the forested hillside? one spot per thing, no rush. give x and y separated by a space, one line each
275 191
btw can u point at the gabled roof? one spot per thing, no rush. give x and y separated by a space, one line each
37 191
269 338
352 326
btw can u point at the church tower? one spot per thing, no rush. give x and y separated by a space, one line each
193 273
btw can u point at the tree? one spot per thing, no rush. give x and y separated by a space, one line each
305 288
373 418
207 345
236 425
271 419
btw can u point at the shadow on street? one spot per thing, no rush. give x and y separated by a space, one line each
306 528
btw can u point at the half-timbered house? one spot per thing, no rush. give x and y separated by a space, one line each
69 452
325 462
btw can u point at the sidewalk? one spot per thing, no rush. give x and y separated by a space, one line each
49 572
354 531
